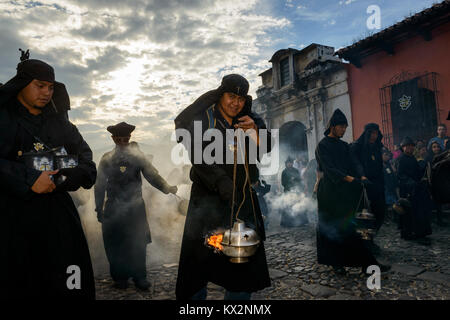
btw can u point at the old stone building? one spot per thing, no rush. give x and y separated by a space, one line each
298 96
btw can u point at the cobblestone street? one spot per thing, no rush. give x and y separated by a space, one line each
419 271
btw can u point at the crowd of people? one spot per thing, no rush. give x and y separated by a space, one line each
40 222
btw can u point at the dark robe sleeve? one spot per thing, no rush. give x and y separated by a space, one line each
324 154
15 177
100 184
284 179
77 145
152 176
405 175
356 156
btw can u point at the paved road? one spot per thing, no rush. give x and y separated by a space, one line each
419 271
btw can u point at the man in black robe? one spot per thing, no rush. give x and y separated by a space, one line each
292 182
126 232
416 222
366 151
42 242
339 193
211 201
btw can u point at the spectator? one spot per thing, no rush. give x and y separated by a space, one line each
441 138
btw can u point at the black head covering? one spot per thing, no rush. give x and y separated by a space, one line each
448 117
289 159
407 141
365 136
122 129
337 118
29 70
234 83
230 83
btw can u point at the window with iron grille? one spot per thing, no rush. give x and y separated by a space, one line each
284 72
409 107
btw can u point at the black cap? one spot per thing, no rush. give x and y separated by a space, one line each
234 83
36 69
407 141
337 118
122 129
289 159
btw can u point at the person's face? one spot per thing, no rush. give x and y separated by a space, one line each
289 165
423 151
373 136
36 94
436 148
231 104
339 130
386 157
442 131
408 149
121 141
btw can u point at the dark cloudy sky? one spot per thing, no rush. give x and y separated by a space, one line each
143 61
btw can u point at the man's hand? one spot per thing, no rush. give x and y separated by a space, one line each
349 179
246 123
173 189
100 215
44 184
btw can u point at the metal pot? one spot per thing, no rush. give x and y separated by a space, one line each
365 224
240 242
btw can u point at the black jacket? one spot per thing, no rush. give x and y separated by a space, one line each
209 210
41 234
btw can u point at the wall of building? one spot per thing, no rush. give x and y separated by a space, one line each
414 55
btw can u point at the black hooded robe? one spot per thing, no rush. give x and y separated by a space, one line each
208 211
369 163
338 244
125 228
41 234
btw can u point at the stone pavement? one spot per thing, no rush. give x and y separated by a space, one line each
419 271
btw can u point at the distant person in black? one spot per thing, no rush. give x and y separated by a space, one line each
369 165
338 196
41 237
290 177
125 227
292 182
432 153
416 222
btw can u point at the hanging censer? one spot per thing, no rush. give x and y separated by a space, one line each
365 221
239 242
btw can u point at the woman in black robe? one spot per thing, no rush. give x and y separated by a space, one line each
416 222
366 151
339 197
41 236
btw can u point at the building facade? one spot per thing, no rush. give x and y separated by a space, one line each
400 76
298 96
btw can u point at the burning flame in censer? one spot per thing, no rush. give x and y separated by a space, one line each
215 241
